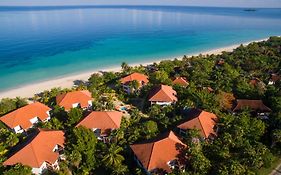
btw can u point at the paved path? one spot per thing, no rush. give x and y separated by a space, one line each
276 171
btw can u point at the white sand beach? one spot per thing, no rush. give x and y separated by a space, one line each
67 81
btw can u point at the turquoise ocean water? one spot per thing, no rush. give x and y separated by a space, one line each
41 43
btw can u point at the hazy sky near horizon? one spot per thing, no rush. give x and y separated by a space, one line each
221 3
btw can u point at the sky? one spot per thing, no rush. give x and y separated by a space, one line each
220 3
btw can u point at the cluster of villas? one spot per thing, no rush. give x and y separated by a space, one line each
44 149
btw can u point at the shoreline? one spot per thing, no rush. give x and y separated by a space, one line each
67 81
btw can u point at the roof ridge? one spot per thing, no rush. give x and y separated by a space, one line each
33 150
110 117
166 94
201 124
16 112
150 155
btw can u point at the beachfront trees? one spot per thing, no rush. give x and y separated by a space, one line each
112 158
81 149
150 129
8 139
238 145
74 115
8 104
160 77
197 162
241 146
125 67
18 169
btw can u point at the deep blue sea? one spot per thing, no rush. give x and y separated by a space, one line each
40 43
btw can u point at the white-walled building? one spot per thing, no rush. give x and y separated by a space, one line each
163 95
25 117
40 152
141 79
75 99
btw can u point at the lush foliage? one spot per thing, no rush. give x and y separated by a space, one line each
243 145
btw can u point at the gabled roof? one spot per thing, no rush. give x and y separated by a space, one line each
180 81
255 105
38 149
23 115
163 93
275 77
66 100
201 120
156 153
104 120
135 76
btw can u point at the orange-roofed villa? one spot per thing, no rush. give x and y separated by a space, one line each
181 81
141 79
41 152
160 155
203 121
163 95
102 123
274 79
25 117
256 106
82 99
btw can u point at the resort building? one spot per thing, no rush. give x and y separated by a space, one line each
160 155
204 122
25 117
181 81
82 99
139 78
163 95
274 78
256 106
102 123
40 152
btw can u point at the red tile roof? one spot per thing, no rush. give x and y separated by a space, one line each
180 81
156 153
201 120
163 93
104 120
135 76
256 105
23 115
39 149
66 100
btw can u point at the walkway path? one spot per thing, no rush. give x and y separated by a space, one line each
276 171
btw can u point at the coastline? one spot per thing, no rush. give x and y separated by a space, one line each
28 91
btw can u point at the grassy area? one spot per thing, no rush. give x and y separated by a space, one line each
266 171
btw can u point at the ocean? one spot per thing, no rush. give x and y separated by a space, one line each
42 43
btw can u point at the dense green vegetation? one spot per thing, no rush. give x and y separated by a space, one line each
244 144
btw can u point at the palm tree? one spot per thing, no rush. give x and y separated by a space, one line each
120 170
113 158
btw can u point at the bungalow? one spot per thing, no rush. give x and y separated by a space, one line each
255 106
201 120
25 117
75 99
274 78
160 155
163 95
102 123
141 79
40 152
181 81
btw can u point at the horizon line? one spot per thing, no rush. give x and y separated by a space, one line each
127 5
